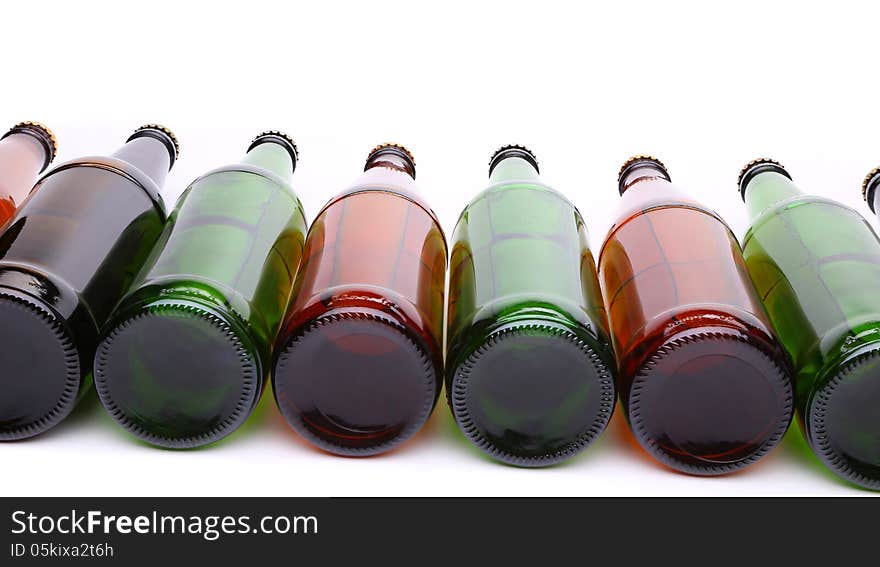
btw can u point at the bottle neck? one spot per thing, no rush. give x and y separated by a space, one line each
643 175
149 155
22 158
392 161
512 169
273 157
766 189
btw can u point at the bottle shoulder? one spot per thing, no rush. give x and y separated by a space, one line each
117 166
796 204
391 192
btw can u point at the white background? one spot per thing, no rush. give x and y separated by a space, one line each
705 86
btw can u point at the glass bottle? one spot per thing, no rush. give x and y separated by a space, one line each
67 256
529 364
186 355
359 361
816 264
26 150
705 385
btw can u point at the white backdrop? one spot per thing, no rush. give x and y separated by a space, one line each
704 86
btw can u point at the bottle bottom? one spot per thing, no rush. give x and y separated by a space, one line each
41 372
533 394
177 375
844 421
710 403
355 383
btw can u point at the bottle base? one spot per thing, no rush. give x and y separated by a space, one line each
177 375
843 421
41 368
532 394
710 403
355 383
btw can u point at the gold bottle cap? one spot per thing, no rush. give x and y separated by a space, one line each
41 132
279 137
638 158
513 150
755 167
634 162
164 130
869 185
393 146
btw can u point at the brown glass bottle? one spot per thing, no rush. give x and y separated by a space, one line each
358 360
26 150
67 256
703 381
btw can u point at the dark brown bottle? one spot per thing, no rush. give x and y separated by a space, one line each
66 258
703 381
359 360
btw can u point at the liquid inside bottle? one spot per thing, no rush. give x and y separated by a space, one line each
189 349
816 265
529 364
26 150
359 361
703 381
67 256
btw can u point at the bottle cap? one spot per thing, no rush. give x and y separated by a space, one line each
869 186
277 137
162 134
42 133
638 161
513 150
393 149
755 167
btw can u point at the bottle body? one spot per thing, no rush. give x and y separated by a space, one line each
66 257
816 264
187 353
529 363
358 364
703 381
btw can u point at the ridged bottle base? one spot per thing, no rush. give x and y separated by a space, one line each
710 403
844 421
41 373
355 383
532 394
177 375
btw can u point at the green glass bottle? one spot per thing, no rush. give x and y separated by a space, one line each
816 266
185 357
529 376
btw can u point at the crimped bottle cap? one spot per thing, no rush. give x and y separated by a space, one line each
394 149
869 186
278 137
165 135
393 146
755 167
513 150
637 161
42 133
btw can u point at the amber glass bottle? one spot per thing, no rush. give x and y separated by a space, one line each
67 256
529 363
26 150
358 363
185 357
705 385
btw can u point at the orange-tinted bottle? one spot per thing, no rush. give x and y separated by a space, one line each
703 381
26 150
358 360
